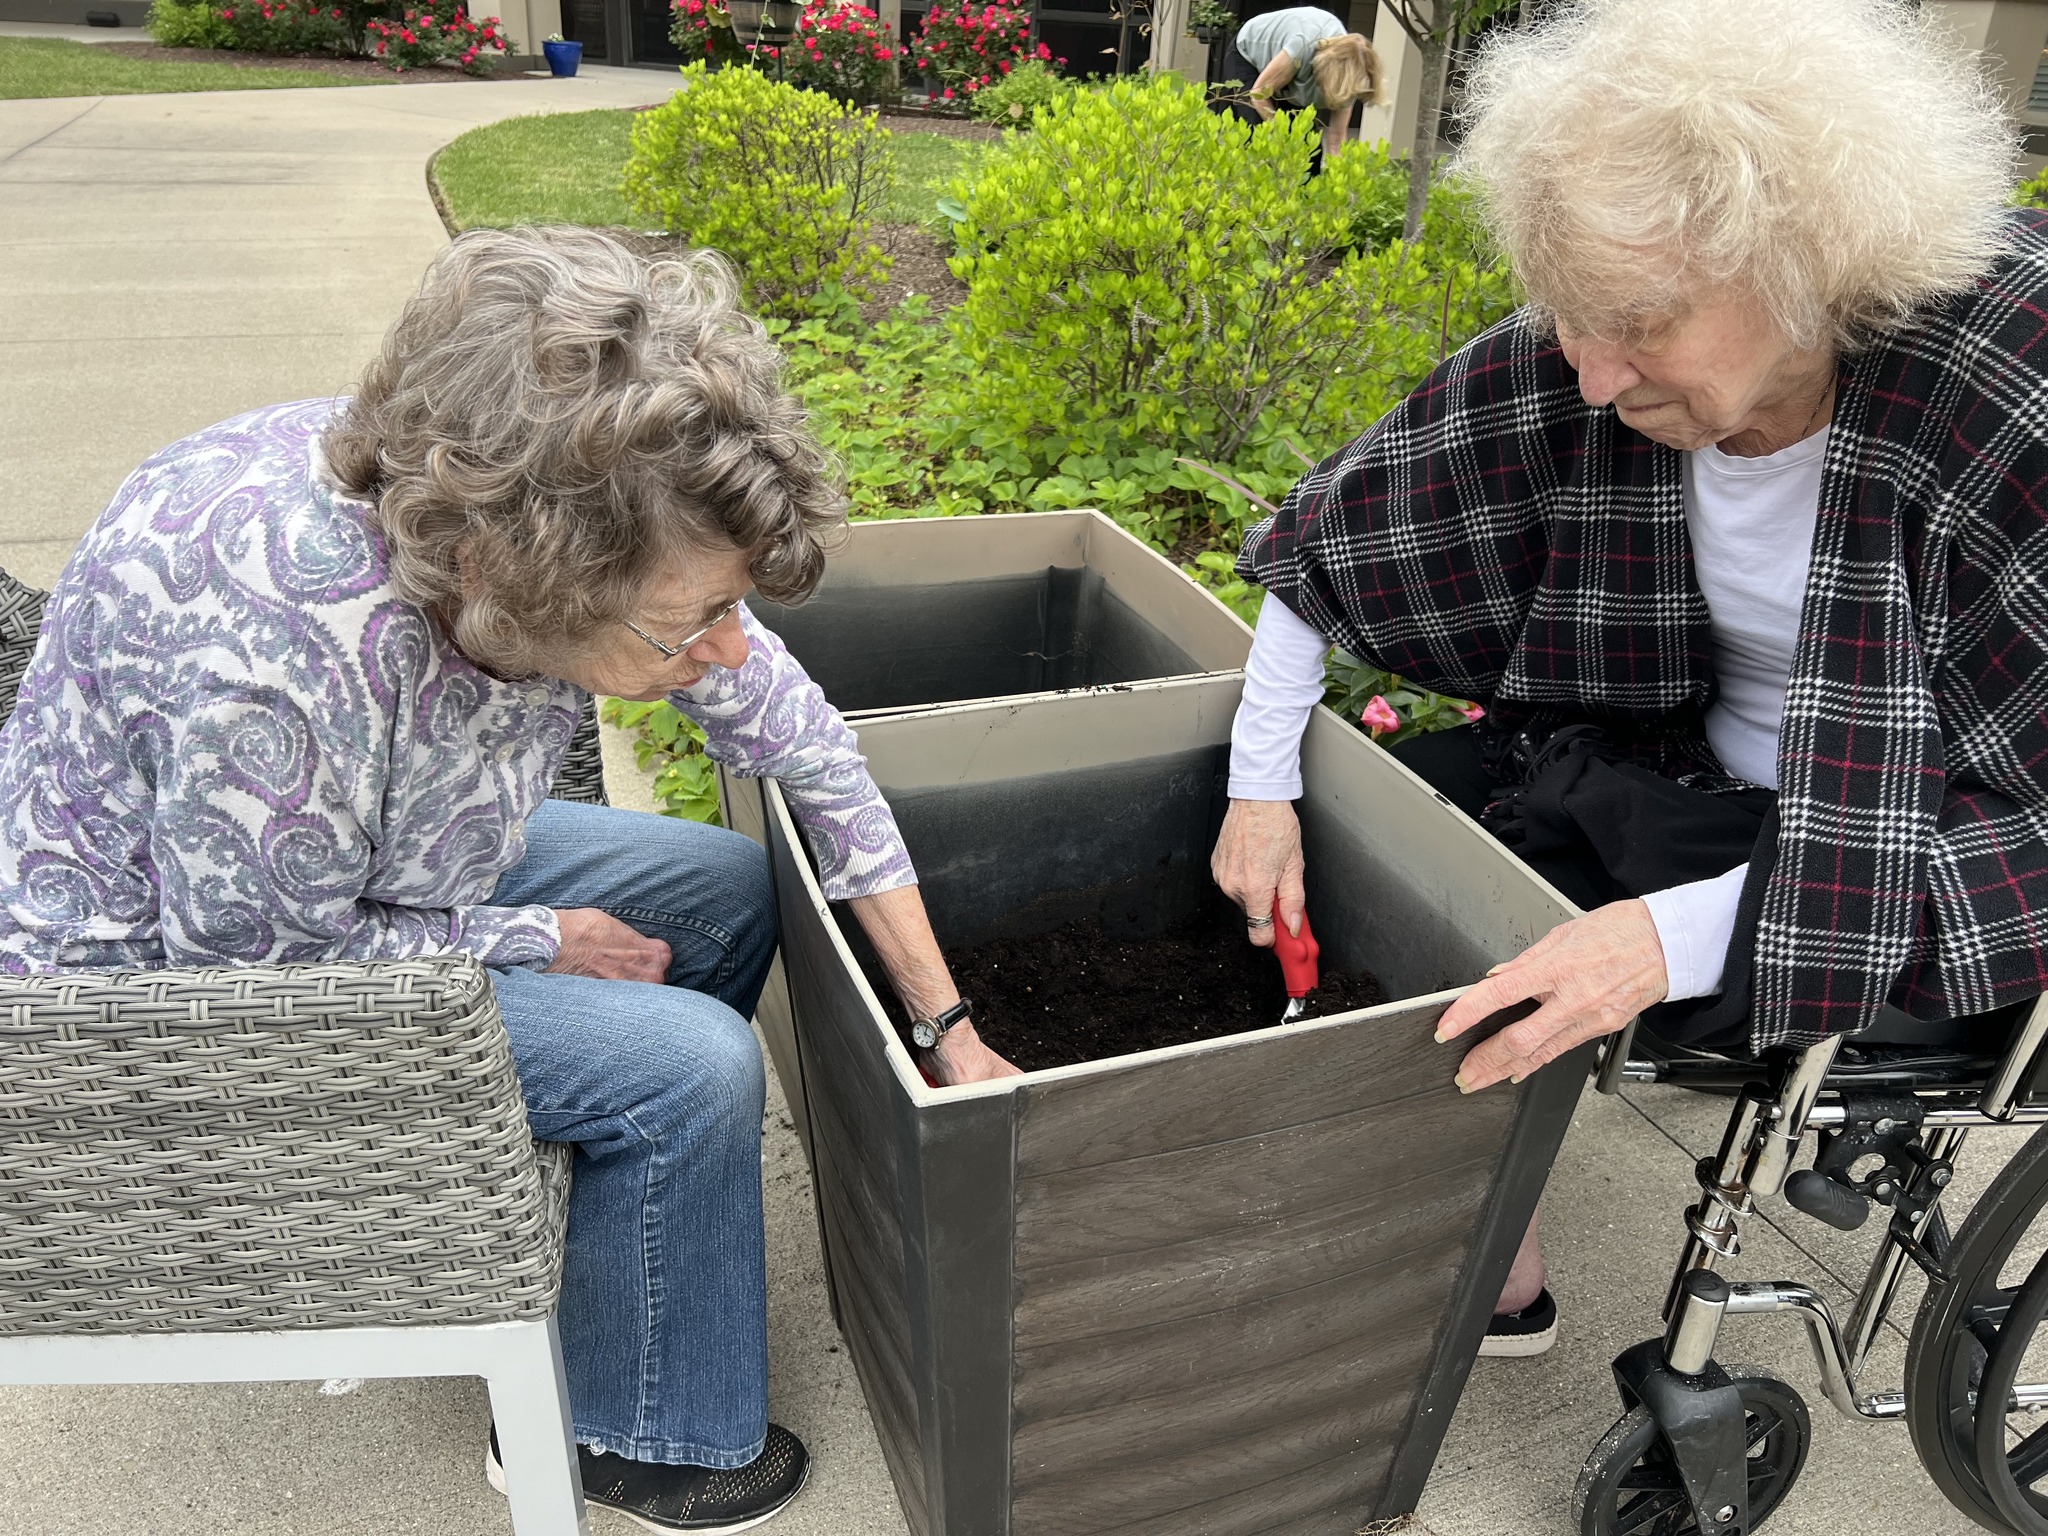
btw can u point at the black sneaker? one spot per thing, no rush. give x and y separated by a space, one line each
1519 1335
663 1497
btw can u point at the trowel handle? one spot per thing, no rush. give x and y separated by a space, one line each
1297 954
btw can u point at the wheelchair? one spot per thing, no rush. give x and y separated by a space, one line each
1712 1449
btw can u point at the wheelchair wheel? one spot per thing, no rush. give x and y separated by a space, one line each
1962 1330
1630 1485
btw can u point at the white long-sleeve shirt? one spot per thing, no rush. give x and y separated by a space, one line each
1751 523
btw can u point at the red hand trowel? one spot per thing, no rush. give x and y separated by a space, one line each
1297 952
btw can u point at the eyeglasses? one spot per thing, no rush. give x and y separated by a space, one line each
682 645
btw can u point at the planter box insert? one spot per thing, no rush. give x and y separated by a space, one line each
926 611
1229 1287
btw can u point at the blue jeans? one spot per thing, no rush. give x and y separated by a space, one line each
664 1310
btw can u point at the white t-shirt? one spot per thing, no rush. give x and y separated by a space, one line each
1751 523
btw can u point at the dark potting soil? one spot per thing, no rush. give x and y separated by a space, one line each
1076 994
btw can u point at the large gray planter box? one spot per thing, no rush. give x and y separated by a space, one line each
928 611
1225 1288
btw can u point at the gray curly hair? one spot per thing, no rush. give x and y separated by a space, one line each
1840 161
574 414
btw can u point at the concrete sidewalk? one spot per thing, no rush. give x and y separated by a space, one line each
169 260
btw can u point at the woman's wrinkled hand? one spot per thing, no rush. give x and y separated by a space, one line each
597 944
1590 976
961 1056
1257 863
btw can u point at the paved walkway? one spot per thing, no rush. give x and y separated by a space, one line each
168 260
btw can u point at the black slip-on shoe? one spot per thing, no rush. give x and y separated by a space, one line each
709 1500
1519 1335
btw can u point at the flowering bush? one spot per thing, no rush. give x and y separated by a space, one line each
1388 707
288 26
437 30
785 182
702 29
965 46
843 49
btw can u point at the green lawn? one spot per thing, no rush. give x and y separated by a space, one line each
565 169
55 66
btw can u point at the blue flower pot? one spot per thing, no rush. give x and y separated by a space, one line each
562 57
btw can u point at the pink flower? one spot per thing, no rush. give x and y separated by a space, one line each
1379 717
1473 712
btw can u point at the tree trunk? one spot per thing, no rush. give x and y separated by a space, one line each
1435 52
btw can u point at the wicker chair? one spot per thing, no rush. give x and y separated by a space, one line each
283 1172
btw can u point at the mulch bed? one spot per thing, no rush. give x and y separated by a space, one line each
920 267
1078 995
946 127
316 63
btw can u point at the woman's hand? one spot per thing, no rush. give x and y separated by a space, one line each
961 1056
1592 975
1258 864
597 944
897 925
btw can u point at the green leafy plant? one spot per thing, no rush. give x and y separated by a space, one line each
1387 706
174 24
1144 271
785 182
669 745
1018 94
1211 13
2032 193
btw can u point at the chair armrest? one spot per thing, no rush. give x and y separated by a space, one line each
268 1146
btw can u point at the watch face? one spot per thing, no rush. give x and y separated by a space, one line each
924 1034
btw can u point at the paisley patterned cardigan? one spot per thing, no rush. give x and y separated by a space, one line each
238 743
1496 537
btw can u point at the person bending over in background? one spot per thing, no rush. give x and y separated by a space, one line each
1302 59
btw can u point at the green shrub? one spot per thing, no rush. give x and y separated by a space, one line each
2032 193
785 182
669 745
1012 99
1144 271
174 24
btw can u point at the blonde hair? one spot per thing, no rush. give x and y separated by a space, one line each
570 413
1346 69
1840 161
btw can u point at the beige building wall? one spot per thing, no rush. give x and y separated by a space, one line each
529 21
1393 120
2011 35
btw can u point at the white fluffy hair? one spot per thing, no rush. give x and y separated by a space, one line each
1840 162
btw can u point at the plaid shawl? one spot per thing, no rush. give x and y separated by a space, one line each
1494 536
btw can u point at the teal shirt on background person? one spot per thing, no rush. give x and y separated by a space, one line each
1294 32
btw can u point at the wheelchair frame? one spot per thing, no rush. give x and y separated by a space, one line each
1776 1103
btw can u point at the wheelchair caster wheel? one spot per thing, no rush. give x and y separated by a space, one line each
1630 1485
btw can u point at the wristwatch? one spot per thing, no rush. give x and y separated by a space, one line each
928 1032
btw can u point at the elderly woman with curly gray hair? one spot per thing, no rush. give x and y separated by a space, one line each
300 695
1739 531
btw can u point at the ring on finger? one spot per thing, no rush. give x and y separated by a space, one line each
1259 922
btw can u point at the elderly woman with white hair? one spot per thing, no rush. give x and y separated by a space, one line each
301 692
1738 531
